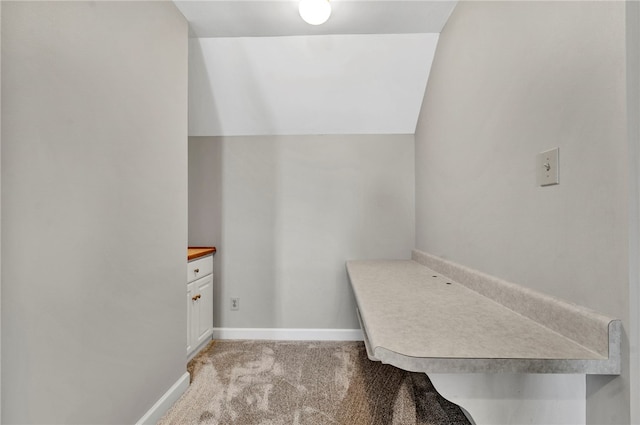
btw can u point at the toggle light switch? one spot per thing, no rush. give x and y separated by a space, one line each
547 167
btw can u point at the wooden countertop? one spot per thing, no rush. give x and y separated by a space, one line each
194 252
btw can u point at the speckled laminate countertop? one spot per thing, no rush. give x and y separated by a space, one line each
417 319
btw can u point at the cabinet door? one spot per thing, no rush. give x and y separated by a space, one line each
191 307
204 317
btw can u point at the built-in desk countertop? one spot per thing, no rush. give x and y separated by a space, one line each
415 318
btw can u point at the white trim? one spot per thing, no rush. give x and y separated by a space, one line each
278 334
165 402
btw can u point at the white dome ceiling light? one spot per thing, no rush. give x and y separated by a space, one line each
315 12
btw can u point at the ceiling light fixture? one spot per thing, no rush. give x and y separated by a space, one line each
315 12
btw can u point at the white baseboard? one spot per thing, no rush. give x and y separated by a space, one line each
277 334
165 402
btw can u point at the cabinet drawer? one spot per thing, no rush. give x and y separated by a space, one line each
199 268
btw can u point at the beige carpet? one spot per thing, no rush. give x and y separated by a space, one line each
305 383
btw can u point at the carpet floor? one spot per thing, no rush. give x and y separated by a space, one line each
305 383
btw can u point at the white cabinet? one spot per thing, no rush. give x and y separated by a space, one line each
199 302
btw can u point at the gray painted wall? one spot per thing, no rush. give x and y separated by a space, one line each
287 211
510 80
633 114
94 209
0 216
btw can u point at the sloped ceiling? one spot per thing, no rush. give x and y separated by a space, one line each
255 68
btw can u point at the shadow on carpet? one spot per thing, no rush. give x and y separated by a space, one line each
305 383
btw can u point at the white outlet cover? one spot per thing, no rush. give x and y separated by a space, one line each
547 167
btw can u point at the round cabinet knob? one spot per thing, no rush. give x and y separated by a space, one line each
196 270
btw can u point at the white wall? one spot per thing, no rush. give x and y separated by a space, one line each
330 84
94 209
288 211
509 80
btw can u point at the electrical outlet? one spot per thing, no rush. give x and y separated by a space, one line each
235 304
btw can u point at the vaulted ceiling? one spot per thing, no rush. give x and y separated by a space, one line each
256 68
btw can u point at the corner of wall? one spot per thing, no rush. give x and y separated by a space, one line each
633 123
0 216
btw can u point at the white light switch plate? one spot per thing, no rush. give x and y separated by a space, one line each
547 167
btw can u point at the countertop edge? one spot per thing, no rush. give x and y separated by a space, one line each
203 251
